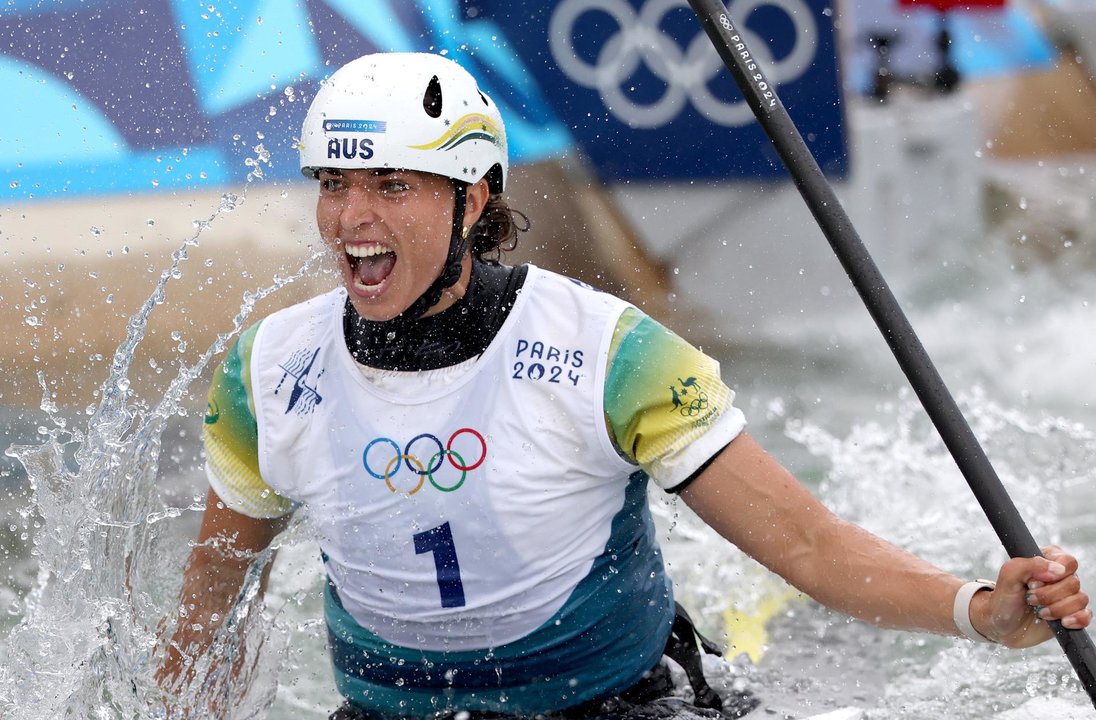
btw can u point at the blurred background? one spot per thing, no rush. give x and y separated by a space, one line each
641 167
152 206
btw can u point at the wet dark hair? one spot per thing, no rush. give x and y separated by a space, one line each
497 230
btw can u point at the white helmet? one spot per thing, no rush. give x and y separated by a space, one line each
410 111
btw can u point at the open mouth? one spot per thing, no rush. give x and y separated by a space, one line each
370 266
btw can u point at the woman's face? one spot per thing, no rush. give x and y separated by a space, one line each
389 231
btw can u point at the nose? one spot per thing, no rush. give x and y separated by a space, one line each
360 208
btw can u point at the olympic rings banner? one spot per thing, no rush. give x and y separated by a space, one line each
648 97
156 95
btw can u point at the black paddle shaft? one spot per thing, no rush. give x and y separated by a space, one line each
884 309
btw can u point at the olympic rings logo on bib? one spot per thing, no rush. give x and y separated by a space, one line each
639 39
383 459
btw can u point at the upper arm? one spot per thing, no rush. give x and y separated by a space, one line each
230 436
667 408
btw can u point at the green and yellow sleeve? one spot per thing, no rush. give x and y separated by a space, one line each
667 408
231 438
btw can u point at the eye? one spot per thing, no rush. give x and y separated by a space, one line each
331 183
395 185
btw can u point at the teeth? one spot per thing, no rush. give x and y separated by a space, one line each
363 251
367 288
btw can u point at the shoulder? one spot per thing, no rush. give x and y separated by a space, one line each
234 369
321 304
637 337
302 321
570 298
550 278
234 373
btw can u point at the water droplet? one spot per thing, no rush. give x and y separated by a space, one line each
96 230
229 202
33 321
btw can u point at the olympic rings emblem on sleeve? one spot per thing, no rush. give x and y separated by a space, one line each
639 39
696 405
407 458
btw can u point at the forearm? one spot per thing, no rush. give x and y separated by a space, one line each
857 573
228 544
211 583
755 503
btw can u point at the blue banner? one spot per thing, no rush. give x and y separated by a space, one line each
647 98
107 97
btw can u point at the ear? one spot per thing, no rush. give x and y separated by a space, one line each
478 193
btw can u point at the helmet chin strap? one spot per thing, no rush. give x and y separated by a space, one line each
450 273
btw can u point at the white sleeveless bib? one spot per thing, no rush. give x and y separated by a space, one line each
463 517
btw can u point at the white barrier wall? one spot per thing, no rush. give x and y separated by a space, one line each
752 255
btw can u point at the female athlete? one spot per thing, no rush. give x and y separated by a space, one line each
472 444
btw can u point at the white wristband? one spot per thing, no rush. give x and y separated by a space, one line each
960 611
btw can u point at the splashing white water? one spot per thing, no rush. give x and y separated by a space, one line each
92 628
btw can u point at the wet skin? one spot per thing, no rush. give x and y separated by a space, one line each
401 221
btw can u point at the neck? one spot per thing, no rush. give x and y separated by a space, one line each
454 293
